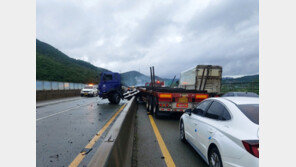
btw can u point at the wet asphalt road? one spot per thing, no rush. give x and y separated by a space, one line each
64 128
148 150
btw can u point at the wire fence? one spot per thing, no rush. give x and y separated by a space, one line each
53 85
240 87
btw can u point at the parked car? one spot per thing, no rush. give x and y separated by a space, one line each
240 94
224 131
89 90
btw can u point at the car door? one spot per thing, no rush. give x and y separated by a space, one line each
196 115
207 125
187 118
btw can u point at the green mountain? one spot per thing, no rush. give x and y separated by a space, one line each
247 78
54 65
249 83
135 78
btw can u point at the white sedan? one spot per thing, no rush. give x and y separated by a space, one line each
89 90
224 131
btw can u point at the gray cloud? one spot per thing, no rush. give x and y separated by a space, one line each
172 35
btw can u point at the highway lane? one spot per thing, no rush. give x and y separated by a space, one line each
148 148
64 128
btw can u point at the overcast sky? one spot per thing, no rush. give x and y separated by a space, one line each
124 35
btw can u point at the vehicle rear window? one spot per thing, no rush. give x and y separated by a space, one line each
88 87
251 111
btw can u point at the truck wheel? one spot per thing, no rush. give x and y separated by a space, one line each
111 100
147 104
150 106
116 98
155 109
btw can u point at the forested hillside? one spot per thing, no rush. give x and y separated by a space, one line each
54 65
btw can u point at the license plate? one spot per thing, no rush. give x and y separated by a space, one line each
85 93
182 105
183 100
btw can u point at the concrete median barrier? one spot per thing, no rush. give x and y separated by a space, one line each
116 149
55 94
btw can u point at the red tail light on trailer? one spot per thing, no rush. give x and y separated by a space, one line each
252 146
165 95
201 96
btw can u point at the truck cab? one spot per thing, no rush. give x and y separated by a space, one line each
110 87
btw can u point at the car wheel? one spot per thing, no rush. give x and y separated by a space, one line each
215 158
182 132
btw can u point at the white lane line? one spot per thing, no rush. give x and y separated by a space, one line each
43 104
61 112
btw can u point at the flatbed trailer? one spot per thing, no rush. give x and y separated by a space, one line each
161 100
170 100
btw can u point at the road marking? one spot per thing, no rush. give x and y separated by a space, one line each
81 155
167 156
41 104
62 112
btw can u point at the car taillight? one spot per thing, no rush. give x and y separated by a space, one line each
252 146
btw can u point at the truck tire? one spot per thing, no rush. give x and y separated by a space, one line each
116 98
150 106
155 110
111 99
147 104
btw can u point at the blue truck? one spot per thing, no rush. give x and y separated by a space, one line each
110 87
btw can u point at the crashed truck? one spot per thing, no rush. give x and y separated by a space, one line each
195 85
111 88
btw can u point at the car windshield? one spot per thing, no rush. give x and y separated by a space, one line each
251 111
247 94
88 87
107 77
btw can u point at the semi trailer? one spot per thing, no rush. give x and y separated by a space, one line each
195 85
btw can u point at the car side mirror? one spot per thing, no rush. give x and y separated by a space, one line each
188 111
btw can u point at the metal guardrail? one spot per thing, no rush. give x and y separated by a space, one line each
116 149
53 85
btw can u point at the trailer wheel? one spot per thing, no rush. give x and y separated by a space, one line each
147 104
155 109
150 106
